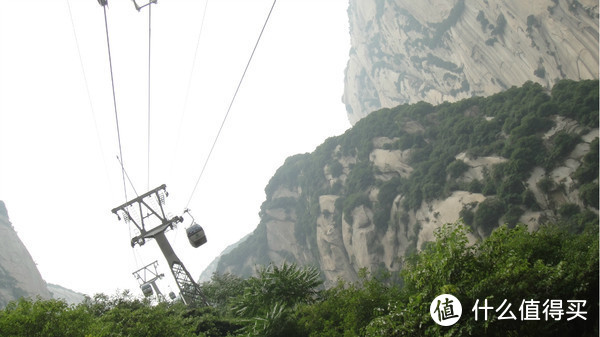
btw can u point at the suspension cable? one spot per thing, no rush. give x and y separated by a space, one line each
149 92
127 175
112 80
230 105
87 89
189 85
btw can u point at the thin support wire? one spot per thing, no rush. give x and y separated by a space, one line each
189 85
87 89
112 80
230 104
127 175
149 82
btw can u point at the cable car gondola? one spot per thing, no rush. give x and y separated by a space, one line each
147 289
196 235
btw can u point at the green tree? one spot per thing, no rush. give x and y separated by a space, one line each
44 318
589 194
511 264
270 298
488 213
126 315
345 310
221 289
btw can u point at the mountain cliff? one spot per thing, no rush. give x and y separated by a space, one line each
19 275
405 51
371 196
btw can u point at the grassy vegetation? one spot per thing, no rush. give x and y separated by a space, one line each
512 264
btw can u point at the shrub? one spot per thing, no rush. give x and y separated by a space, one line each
457 168
488 213
568 210
353 201
589 194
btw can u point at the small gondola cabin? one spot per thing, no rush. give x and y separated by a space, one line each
147 289
196 235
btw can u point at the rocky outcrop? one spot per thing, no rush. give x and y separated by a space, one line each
348 242
405 51
374 195
19 275
67 295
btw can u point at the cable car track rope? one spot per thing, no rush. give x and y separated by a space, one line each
149 92
112 81
230 105
87 90
189 85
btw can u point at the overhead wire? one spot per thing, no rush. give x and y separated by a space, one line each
87 89
104 4
149 82
189 85
230 105
127 175
112 80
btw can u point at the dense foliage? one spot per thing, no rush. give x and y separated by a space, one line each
512 264
510 124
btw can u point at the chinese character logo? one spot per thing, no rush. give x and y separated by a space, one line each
445 310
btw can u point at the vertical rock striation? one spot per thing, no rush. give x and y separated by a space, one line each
405 51
376 194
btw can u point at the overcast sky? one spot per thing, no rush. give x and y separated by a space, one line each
59 175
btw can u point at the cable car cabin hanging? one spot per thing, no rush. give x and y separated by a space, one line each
196 235
147 289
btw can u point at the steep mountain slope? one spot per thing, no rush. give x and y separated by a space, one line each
405 51
369 197
64 294
19 275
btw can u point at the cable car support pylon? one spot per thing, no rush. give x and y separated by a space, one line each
147 214
147 277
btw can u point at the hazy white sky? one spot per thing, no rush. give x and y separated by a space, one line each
59 176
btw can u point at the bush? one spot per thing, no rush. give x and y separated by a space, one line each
385 199
568 210
488 213
588 171
589 194
512 215
360 178
336 169
475 186
563 143
546 185
353 201
457 168
510 190
467 215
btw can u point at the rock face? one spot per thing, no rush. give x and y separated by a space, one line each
19 275
372 196
405 51
67 295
